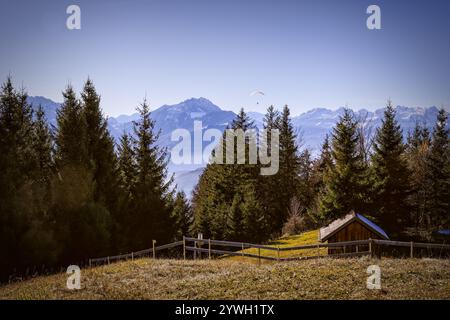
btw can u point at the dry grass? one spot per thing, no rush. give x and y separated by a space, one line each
228 279
310 237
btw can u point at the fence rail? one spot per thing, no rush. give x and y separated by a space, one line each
198 244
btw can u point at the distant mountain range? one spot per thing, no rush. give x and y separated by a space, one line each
311 126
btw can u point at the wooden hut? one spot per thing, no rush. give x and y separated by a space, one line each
353 226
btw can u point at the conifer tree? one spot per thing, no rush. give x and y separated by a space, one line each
269 184
43 149
321 165
224 195
235 220
325 159
25 232
439 173
99 148
182 215
82 225
417 153
16 166
287 176
305 187
344 182
127 166
390 174
151 212
255 218
70 138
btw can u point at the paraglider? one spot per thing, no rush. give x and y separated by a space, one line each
257 93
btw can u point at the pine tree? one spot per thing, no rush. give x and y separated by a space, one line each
70 138
439 173
325 159
100 148
305 188
25 232
127 165
344 181
289 167
417 153
182 215
269 184
43 149
16 166
321 165
235 220
390 175
83 225
221 207
151 214
255 218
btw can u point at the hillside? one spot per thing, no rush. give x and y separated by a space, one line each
224 279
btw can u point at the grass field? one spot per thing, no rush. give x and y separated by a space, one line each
310 237
228 279
242 278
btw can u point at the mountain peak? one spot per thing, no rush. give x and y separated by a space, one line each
193 105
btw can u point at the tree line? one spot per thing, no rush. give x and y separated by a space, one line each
68 193
402 185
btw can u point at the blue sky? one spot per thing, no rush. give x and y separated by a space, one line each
315 53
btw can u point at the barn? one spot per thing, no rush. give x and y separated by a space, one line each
353 226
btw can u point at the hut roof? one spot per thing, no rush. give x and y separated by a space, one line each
445 232
328 231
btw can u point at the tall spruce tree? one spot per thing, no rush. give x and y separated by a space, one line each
270 183
99 148
43 149
70 138
390 172
225 200
102 160
344 183
182 215
83 225
417 153
151 213
127 165
439 173
16 167
288 174
127 175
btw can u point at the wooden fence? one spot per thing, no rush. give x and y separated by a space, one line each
198 246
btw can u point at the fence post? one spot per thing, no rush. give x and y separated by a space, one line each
195 250
278 253
154 251
184 248
345 249
412 250
242 251
259 256
89 263
200 243
132 256
209 248
370 248
108 260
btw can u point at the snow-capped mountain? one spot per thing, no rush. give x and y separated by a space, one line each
311 126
